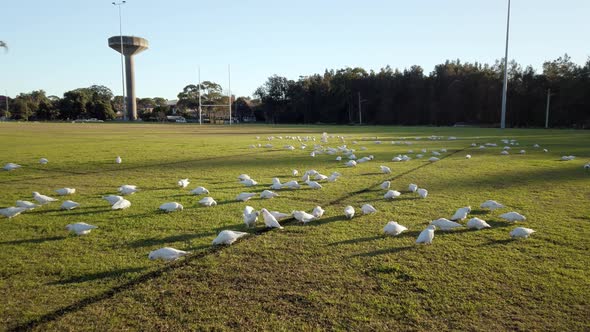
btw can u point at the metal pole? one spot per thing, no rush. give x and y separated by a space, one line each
119 4
547 111
360 116
505 87
200 110
229 91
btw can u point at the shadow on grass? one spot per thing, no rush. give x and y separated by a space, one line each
496 242
97 276
323 221
83 211
164 240
384 251
357 240
39 240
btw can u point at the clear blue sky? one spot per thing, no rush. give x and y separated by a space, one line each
61 45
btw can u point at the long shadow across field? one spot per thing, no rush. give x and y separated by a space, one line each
79 305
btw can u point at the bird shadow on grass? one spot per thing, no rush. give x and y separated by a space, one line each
496 242
384 251
357 240
96 276
84 212
479 212
323 221
174 238
38 240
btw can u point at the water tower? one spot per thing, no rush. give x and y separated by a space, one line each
130 47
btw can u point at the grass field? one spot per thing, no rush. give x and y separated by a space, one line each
332 274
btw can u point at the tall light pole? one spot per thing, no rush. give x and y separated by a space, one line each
505 87
119 4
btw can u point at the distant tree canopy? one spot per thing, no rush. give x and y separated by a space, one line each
453 92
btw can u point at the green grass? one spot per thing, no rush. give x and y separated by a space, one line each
331 274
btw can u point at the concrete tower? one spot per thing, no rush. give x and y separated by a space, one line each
131 46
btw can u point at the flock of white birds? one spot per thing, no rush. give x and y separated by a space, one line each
312 179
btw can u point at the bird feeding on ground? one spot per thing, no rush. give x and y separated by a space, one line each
250 216
391 194
412 187
121 204
245 196
183 183
80 228
427 235
199 191
269 220
422 192
228 237
349 212
167 254
313 184
42 199
207 201
26 204
13 211
127 189
468 156
461 213
112 199
513 216
65 191
118 160
303 216
492 205
368 209
171 207
385 169
318 212
445 224
243 177
385 185
476 223
521 232
394 229
249 182
266 194
11 166
43 161
69 205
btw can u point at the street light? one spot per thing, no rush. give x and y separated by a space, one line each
119 4
505 87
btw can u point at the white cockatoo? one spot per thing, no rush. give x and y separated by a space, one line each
368 209
318 212
445 224
427 235
349 212
121 204
245 196
303 216
127 189
422 192
199 191
385 185
269 220
250 216
492 205
228 237
26 204
476 223
80 228
461 213
171 206
513 216
385 169
42 199
391 194
69 205
393 228
167 254
266 194
412 187
208 201
12 211
183 183
65 191
521 232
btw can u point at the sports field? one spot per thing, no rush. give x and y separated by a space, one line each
330 274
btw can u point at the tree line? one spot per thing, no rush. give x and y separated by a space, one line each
454 92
